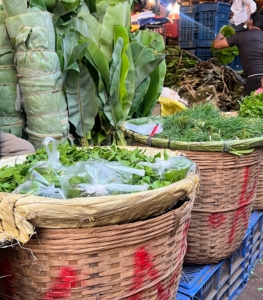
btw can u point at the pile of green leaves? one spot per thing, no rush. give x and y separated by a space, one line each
251 106
12 176
205 123
177 61
227 55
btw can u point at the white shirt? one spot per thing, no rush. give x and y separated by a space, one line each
242 10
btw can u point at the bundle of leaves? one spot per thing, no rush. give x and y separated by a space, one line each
227 55
177 61
205 123
251 106
12 176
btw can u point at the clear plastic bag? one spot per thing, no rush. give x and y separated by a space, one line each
124 173
174 169
145 129
94 178
38 189
43 178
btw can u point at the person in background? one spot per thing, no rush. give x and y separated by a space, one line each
10 145
240 13
250 46
260 90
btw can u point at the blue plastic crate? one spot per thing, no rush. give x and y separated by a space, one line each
180 296
188 23
212 6
255 225
187 44
200 282
203 53
237 287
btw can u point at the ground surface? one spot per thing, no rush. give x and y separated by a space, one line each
254 288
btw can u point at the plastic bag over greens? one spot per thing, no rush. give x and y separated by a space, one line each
174 169
94 178
43 178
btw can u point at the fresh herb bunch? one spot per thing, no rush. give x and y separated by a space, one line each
205 123
251 106
12 176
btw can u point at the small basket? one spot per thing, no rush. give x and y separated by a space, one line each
141 260
258 203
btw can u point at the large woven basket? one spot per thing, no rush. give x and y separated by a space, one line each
19 214
224 202
141 260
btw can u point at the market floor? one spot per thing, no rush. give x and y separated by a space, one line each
254 288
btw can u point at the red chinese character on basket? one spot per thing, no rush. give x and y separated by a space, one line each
144 268
244 199
63 284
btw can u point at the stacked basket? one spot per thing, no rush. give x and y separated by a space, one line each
227 191
138 260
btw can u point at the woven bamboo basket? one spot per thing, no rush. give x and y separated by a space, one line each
258 203
19 214
141 260
224 202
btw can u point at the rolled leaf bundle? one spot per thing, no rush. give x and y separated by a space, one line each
11 119
40 77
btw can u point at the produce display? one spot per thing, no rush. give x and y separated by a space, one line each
251 106
210 81
92 172
205 123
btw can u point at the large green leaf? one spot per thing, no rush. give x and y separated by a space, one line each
138 96
117 14
70 41
150 39
130 80
94 26
40 4
151 97
101 7
121 32
62 9
141 54
145 70
14 7
81 97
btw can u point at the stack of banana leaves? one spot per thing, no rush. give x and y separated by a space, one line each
108 74
11 116
31 33
210 81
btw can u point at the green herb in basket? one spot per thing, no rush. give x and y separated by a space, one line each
251 106
13 176
205 123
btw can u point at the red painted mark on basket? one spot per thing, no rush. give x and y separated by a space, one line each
145 267
6 277
63 284
245 198
217 219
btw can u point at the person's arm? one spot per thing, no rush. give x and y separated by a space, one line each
220 42
252 6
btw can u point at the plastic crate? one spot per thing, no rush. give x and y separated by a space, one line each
172 29
212 6
255 226
187 44
203 53
200 282
214 282
180 296
212 16
188 24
